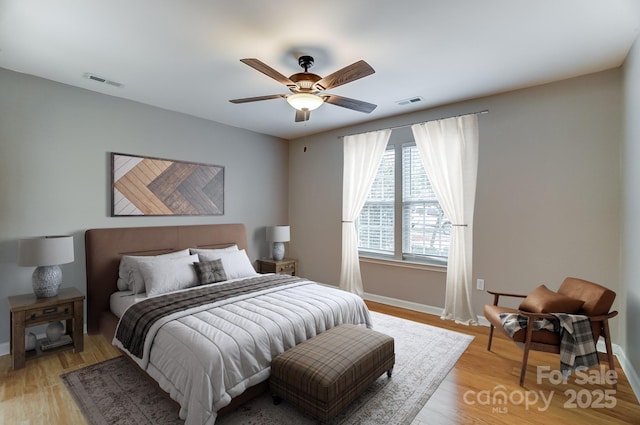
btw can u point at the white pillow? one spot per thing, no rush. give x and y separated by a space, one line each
236 263
233 247
162 276
129 278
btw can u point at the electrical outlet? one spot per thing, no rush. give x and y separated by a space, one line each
480 284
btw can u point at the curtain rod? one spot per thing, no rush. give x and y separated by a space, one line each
484 111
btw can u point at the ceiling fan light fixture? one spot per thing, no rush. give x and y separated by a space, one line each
305 101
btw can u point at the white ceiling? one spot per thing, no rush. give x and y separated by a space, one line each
184 55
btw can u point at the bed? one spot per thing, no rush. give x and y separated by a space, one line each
199 356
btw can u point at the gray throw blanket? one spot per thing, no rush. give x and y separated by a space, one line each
137 319
577 347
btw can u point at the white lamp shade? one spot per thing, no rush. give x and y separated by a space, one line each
305 101
45 251
278 234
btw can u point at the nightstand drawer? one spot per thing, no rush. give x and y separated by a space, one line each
288 268
285 266
48 313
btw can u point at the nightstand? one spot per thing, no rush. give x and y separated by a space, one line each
284 266
27 310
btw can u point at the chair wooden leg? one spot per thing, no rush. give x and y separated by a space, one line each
607 342
490 338
527 347
523 370
496 298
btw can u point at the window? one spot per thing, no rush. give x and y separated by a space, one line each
402 189
375 224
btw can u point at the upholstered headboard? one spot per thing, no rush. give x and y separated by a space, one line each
104 247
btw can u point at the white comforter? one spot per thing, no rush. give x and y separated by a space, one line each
205 356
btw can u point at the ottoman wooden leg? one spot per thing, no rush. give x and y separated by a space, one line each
389 372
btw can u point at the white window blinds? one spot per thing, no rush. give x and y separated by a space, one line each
423 228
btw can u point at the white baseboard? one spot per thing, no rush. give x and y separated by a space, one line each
409 305
625 364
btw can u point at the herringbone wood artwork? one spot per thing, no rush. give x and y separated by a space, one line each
155 186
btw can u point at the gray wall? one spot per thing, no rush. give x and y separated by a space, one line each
54 170
630 308
548 194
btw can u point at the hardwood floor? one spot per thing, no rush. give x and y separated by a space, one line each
470 394
35 395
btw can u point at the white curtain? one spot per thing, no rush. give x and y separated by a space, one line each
449 152
362 156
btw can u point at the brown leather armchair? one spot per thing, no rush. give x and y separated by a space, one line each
597 302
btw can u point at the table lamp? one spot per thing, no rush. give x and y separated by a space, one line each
46 253
278 235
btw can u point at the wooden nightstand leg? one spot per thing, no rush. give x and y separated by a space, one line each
78 322
11 333
17 340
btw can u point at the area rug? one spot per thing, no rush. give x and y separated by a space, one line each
115 392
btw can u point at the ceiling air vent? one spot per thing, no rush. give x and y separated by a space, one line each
409 101
102 80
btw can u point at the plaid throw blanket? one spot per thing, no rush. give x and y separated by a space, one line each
137 319
577 347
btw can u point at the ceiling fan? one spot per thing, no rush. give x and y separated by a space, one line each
306 87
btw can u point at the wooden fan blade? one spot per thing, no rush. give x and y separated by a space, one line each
268 71
345 75
302 115
345 102
257 98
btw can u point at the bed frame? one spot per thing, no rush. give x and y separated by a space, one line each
104 247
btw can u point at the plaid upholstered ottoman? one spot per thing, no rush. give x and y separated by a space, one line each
322 375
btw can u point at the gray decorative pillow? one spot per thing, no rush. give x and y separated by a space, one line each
210 271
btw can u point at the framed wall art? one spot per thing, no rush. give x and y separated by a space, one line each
145 186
